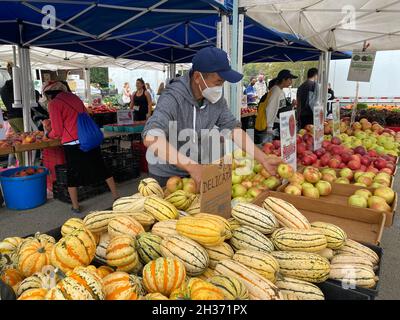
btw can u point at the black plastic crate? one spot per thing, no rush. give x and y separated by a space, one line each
373 292
333 291
61 174
60 191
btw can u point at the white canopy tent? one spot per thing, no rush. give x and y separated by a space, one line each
333 24
51 59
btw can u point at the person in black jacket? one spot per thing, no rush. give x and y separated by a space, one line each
305 94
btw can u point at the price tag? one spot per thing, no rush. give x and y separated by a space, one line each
336 118
124 117
288 138
318 126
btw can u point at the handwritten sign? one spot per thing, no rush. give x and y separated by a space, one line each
318 126
124 117
362 64
336 118
216 188
288 138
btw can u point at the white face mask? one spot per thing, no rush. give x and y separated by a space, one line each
211 94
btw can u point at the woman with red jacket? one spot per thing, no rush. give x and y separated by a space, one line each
83 168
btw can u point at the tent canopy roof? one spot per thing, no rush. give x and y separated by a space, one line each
332 24
164 31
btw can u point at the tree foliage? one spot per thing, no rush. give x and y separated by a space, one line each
271 70
100 76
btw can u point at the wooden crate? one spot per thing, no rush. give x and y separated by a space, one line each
53 143
366 227
5 151
339 197
31 146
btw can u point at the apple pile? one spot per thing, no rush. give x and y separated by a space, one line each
27 172
380 200
358 178
26 138
309 184
177 183
250 179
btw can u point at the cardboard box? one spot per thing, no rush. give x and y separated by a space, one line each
339 199
365 227
216 189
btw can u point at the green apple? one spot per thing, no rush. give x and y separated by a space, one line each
307 185
272 183
385 193
238 191
368 143
254 192
358 201
359 184
311 192
257 167
364 193
236 179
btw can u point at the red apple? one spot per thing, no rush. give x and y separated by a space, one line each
387 170
276 144
380 163
299 139
354 165
366 161
307 161
301 148
336 140
334 163
346 157
268 148
356 157
337 149
320 152
372 169
360 150
337 157
372 153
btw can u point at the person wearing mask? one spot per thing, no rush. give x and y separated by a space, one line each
306 98
83 168
260 86
14 115
251 92
126 93
194 104
277 103
141 102
152 94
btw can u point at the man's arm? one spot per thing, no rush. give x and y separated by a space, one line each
243 140
160 146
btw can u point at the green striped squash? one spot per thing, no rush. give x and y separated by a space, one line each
219 253
193 255
358 249
149 187
335 236
97 221
260 262
304 266
215 217
246 237
101 249
35 281
160 209
232 288
148 247
302 289
165 228
285 239
249 214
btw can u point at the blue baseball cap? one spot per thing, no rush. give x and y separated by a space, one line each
211 59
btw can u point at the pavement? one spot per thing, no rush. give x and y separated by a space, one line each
54 213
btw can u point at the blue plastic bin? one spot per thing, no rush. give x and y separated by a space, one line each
22 193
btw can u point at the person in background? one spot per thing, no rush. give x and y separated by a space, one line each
306 97
14 115
152 94
161 88
83 168
126 93
331 93
141 102
277 103
251 92
260 86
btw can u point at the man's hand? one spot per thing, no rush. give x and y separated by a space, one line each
195 172
271 163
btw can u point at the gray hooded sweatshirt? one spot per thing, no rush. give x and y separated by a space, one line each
179 117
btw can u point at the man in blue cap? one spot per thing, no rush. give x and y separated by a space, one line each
188 108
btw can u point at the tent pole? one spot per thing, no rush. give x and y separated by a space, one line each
88 91
225 47
219 34
327 60
234 56
239 91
